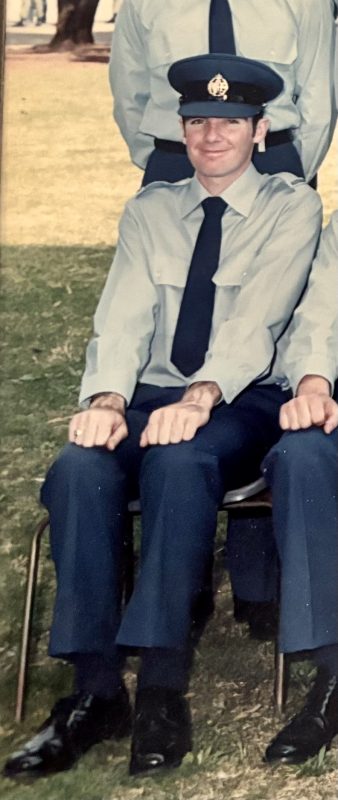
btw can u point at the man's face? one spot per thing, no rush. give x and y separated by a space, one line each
220 147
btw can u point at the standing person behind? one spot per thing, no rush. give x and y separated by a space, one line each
302 471
173 414
27 9
297 40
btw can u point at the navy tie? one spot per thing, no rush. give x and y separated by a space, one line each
221 32
192 332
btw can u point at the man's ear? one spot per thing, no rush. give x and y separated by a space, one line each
184 140
262 128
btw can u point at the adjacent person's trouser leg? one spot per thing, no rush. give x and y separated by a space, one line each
302 471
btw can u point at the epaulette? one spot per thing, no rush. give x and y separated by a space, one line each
289 178
161 185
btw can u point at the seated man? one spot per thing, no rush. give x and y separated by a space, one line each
172 413
302 470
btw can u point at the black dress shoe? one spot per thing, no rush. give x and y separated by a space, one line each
313 728
162 730
262 617
74 725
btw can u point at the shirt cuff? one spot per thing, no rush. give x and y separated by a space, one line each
92 385
314 365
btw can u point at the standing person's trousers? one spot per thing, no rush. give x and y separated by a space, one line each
180 487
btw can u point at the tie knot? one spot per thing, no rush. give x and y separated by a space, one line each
214 206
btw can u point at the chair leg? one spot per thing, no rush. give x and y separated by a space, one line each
27 621
280 680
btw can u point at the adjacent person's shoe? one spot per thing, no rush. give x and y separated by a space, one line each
262 618
312 728
162 730
74 725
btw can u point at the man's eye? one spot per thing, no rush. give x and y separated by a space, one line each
197 121
233 121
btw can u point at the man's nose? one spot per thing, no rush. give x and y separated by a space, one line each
213 130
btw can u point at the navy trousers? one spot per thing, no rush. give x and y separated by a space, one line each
302 472
180 486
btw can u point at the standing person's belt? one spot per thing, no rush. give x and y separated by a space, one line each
272 139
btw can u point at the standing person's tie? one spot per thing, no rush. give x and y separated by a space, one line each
221 32
193 327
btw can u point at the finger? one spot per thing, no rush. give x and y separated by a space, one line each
152 429
103 433
303 412
190 429
177 429
287 417
144 438
86 436
119 434
166 426
331 422
74 427
318 411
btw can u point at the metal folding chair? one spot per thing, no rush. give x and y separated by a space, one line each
254 495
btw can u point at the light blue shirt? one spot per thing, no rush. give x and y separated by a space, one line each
313 347
269 233
294 37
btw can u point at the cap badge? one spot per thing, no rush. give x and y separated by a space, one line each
218 86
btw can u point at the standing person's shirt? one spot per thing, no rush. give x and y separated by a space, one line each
269 234
313 342
295 38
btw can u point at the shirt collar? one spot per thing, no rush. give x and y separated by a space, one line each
240 195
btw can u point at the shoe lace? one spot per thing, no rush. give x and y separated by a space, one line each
79 712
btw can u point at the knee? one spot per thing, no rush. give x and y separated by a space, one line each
177 458
183 468
304 452
78 467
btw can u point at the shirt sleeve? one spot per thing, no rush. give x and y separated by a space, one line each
313 345
129 81
124 319
244 346
315 83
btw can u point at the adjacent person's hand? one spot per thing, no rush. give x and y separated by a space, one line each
309 409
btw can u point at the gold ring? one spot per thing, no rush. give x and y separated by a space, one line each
78 433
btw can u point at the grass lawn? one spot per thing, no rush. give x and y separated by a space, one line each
67 177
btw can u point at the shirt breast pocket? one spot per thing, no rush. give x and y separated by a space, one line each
170 277
281 48
228 281
168 41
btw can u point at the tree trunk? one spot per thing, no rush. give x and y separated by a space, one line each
74 24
